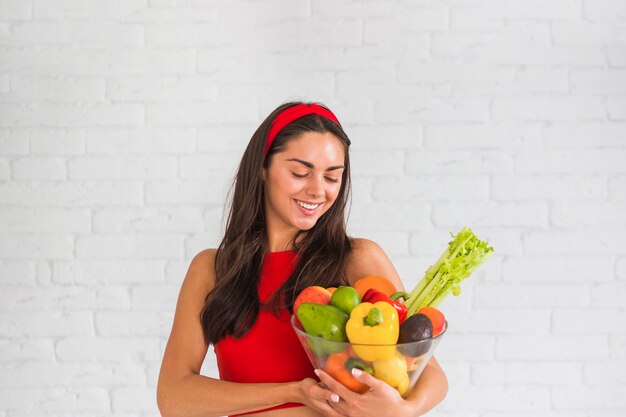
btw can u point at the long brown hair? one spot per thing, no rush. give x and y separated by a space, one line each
232 307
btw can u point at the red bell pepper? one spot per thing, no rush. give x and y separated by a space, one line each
373 296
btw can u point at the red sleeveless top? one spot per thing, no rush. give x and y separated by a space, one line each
270 351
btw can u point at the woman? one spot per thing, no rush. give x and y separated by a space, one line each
285 231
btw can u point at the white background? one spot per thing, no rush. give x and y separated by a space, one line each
122 121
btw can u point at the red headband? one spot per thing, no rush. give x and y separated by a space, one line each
293 113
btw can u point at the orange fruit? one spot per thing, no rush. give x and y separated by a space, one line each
377 282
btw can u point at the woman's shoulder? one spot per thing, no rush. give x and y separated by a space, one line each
206 257
362 246
369 258
201 271
365 252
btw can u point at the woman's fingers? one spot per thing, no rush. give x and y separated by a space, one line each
335 386
325 408
324 400
368 379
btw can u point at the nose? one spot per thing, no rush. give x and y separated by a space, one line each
315 187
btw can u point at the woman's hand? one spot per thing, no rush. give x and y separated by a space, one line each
380 401
315 396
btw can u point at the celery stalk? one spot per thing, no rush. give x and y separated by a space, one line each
428 277
460 259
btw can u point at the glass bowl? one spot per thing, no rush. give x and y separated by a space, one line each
399 365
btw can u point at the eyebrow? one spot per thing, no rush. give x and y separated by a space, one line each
310 165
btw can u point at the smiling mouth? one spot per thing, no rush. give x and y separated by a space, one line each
308 206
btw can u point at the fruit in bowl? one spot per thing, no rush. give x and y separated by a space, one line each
340 336
398 364
372 326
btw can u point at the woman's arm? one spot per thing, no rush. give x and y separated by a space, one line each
197 395
182 392
431 388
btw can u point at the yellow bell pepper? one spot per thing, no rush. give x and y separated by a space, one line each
373 324
393 371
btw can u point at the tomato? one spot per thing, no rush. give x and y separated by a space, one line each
436 317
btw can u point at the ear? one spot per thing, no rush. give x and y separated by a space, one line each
263 174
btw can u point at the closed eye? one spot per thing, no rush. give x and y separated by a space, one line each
327 178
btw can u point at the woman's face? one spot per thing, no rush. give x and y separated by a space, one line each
302 182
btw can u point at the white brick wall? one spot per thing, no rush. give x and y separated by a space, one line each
121 123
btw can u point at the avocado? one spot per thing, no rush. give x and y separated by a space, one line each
416 328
